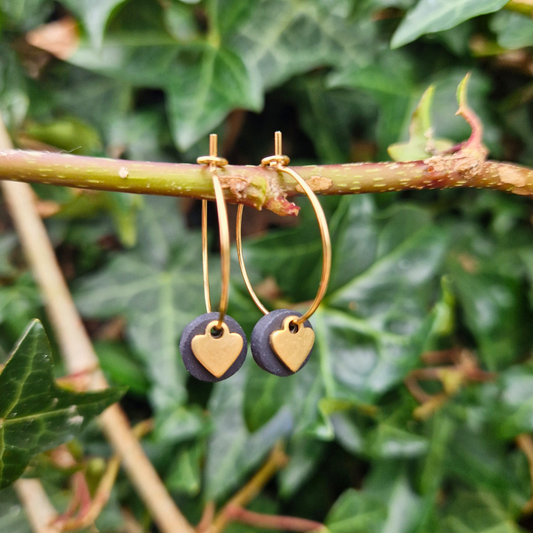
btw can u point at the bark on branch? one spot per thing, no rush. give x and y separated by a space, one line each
257 186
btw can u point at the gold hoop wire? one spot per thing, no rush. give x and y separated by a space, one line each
278 162
214 163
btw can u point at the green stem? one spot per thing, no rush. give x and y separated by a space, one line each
258 186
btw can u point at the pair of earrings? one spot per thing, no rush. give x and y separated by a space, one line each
213 346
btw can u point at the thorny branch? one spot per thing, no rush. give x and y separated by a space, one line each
260 187
464 165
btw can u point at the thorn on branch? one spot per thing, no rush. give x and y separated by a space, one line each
466 158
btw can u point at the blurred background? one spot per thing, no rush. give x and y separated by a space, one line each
412 414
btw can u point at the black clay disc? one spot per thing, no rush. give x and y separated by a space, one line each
262 351
197 327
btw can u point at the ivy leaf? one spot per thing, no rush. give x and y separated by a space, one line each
158 288
28 12
430 16
477 512
248 50
14 100
36 414
513 409
203 79
386 503
232 449
280 39
513 30
93 15
493 305
389 80
204 84
12 519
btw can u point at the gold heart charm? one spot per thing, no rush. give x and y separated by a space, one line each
217 354
292 347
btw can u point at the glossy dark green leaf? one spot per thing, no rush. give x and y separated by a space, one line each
356 512
386 503
8 241
390 81
203 81
477 512
118 364
513 409
514 30
27 13
20 302
429 17
68 134
12 516
478 459
265 395
93 15
232 449
492 305
305 456
250 49
35 414
184 474
280 39
14 99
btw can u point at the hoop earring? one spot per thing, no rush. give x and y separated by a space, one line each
213 346
283 339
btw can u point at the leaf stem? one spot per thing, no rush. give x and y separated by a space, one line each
258 186
281 523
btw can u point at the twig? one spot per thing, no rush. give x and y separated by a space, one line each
207 517
91 509
281 523
525 443
88 516
39 510
79 354
257 186
463 370
276 460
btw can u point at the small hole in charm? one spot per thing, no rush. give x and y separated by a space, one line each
216 333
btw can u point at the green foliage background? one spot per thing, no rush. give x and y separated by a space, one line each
412 272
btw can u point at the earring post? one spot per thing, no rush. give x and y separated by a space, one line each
278 141
213 141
